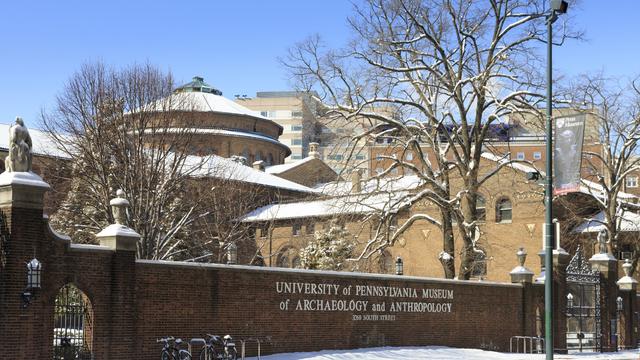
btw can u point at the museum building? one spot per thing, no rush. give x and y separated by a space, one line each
220 126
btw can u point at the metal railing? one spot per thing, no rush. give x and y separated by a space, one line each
527 340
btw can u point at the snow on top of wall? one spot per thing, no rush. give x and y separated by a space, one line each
42 142
223 168
342 205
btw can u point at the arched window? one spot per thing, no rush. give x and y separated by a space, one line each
479 266
503 210
270 159
386 264
288 257
245 153
481 208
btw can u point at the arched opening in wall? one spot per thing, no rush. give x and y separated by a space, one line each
288 258
386 264
73 325
270 159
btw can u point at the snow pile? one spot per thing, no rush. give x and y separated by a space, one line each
436 353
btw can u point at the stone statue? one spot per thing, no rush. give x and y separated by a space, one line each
602 241
19 158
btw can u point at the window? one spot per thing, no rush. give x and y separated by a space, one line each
296 157
311 228
520 156
264 113
408 156
632 181
269 114
394 171
360 157
379 171
296 114
296 229
378 157
481 208
296 127
503 211
537 155
296 141
335 157
263 231
479 266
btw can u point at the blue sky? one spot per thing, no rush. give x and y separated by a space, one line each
233 44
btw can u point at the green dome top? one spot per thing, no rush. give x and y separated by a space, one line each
197 84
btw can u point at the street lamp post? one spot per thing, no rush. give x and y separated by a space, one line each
557 7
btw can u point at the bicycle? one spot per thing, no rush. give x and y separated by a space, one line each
171 349
209 351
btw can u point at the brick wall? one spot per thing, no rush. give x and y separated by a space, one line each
135 302
189 300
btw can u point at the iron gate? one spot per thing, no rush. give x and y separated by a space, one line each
71 319
584 328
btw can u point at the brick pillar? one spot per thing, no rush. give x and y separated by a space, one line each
21 204
123 240
607 265
560 262
627 286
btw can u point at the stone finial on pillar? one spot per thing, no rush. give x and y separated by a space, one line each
520 274
313 150
118 236
627 282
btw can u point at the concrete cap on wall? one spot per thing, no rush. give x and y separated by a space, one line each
22 189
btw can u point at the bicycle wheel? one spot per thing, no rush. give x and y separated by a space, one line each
206 354
233 354
184 355
165 355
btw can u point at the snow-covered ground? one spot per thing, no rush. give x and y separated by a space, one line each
437 353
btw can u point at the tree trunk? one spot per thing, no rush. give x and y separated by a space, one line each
448 247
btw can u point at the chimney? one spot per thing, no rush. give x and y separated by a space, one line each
313 150
258 165
356 176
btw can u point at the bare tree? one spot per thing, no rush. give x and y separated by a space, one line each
114 125
616 109
451 70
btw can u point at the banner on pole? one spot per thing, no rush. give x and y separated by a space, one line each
568 139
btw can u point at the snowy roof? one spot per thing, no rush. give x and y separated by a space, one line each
234 133
42 143
203 102
398 183
629 222
586 186
223 168
342 205
279 169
